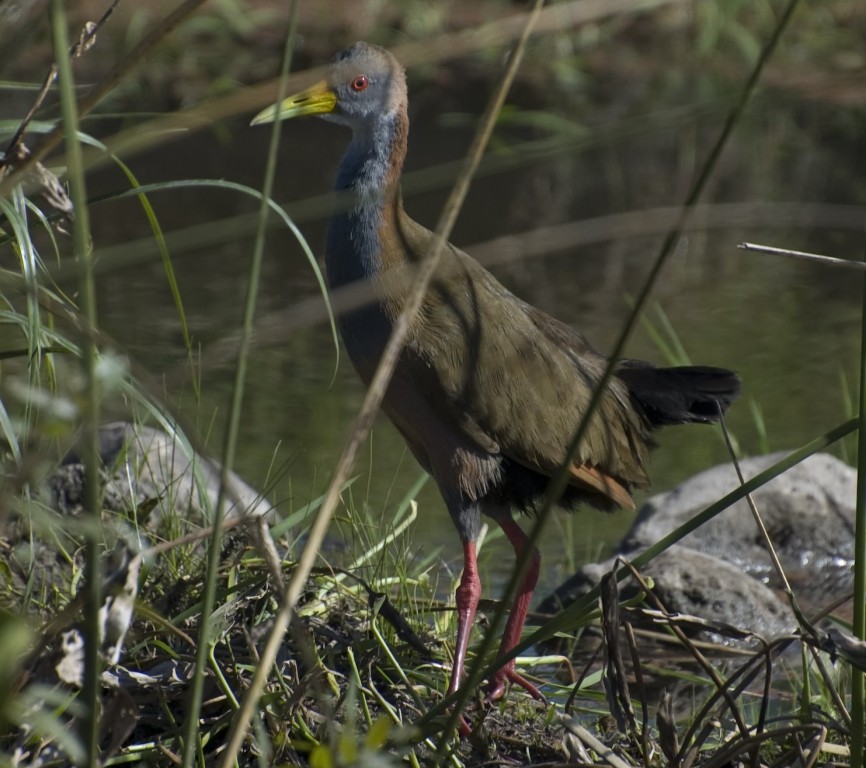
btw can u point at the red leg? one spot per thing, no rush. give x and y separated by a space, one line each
467 596
517 617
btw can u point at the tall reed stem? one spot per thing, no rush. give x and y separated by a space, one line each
858 689
89 731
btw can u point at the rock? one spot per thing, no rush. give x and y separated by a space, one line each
808 512
147 476
693 583
143 465
722 571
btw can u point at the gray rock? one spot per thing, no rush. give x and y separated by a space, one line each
808 512
696 584
144 465
146 475
722 571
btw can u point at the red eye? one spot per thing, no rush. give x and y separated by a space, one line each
360 83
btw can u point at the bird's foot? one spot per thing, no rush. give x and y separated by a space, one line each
463 728
496 688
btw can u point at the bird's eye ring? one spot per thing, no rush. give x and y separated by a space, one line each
360 83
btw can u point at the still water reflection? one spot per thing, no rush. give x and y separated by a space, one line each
789 328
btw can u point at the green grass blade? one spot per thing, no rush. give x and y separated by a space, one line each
89 730
161 244
858 689
271 204
242 719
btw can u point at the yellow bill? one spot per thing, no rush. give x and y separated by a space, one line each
318 99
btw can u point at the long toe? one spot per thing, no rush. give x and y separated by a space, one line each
496 688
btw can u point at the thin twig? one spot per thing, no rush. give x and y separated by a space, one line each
88 35
832 261
858 622
604 752
702 660
644 733
830 683
99 91
733 749
765 535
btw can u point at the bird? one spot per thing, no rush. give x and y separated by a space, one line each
488 391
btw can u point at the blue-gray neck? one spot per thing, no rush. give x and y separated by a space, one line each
352 250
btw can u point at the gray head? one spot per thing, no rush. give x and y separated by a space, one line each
364 84
369 84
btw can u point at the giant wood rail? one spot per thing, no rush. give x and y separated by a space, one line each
488 391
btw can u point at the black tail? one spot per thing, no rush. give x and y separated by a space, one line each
680 395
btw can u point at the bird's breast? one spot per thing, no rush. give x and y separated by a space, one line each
352 257
353 247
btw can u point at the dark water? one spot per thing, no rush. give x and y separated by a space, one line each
789 328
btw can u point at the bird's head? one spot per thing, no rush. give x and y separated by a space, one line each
365 83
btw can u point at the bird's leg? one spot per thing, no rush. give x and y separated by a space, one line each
516 618
467 596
